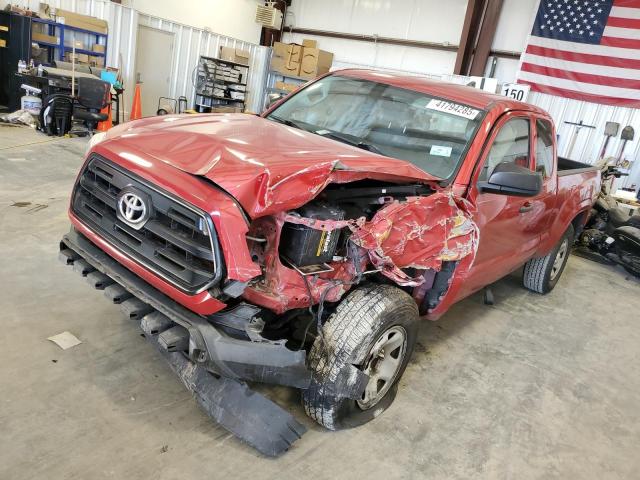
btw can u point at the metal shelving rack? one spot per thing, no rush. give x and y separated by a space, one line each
61 48
213 89
275 76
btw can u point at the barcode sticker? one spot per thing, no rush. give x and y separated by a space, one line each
453 108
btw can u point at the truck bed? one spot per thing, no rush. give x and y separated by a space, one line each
569 167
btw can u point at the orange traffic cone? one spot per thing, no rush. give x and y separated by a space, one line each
136 108
107 124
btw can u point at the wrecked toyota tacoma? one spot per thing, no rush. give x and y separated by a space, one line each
301 247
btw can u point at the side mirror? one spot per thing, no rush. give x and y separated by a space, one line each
511 179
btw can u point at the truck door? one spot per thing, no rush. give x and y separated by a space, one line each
509 229
545 164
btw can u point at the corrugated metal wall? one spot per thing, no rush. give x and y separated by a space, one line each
190 43
589 141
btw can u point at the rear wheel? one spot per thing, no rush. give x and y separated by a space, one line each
373 329
542 274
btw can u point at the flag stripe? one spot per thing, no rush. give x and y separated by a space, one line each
614 73
623 23
588 49
561 92
621 32
602 60
620 43
623 12
581 86
627 3
582 77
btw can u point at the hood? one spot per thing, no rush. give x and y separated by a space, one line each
266 166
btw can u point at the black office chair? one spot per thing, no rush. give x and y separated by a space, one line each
55 114
93 95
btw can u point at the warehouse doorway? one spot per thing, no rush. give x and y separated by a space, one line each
154 65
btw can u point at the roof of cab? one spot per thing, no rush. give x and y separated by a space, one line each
458 93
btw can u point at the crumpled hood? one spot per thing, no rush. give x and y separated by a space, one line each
266 166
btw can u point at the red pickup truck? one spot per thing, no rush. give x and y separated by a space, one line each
301 247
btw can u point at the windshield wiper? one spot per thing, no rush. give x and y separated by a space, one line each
353 141
287 122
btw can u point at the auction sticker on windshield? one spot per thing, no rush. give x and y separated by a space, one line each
453 108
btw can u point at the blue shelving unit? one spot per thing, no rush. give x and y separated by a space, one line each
58 30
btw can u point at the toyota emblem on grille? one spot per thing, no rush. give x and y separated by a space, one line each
133 209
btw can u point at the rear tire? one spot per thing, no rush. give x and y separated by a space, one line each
374 329
542 274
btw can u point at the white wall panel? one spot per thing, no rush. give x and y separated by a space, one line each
228 17
423 20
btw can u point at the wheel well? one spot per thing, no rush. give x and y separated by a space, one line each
578 222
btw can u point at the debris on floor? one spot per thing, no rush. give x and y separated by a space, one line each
65 340
20 117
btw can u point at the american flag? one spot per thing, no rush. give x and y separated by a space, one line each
585 49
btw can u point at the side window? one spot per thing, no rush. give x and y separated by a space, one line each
544 148
511 145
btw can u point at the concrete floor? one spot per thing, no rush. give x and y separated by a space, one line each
533 387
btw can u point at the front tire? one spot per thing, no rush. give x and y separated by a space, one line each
374 329
542 274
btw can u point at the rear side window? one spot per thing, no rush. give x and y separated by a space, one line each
511 145
544 148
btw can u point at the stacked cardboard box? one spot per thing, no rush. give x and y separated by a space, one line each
286 58
305 60
40 33
287 87
234 55
85 22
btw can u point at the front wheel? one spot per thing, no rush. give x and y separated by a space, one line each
373 329
542 274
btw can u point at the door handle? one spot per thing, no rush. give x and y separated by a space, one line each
527 207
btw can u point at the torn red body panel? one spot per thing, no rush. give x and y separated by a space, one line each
417 234
420 233
283 288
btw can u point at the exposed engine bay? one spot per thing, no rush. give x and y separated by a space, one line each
407 235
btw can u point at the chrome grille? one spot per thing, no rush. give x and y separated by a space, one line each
177 242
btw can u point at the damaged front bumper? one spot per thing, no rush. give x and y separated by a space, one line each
217 363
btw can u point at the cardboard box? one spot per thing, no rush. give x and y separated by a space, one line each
98 48
286 58
80 57
225 109
234 55
41 37
289 87
77 43
315 62
306 43
85 22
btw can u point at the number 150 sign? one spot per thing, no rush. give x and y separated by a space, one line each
516 91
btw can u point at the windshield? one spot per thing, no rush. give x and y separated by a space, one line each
429 132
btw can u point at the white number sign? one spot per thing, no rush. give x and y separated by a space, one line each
516 91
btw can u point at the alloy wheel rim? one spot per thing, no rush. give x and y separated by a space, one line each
383 364
559 260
